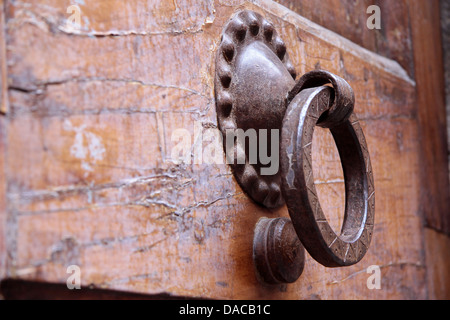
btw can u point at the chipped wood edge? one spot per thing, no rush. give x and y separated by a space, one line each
387 65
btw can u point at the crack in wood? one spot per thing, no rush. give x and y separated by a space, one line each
45 23
40 87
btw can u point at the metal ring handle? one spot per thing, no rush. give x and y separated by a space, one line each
343 101
310 223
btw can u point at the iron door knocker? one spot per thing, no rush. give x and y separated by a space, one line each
256 92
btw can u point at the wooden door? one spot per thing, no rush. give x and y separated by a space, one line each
92 91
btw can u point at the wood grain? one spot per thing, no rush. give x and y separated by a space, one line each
435 193
348 18
90 181
445 30
3 67
438 270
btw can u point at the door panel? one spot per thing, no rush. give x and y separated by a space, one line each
88 141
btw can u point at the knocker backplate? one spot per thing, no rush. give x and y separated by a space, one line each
253 77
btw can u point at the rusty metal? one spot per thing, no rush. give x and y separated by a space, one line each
343 98
255 89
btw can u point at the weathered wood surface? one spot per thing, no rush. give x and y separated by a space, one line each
438 271
435 190
429 69
88 145
348 18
